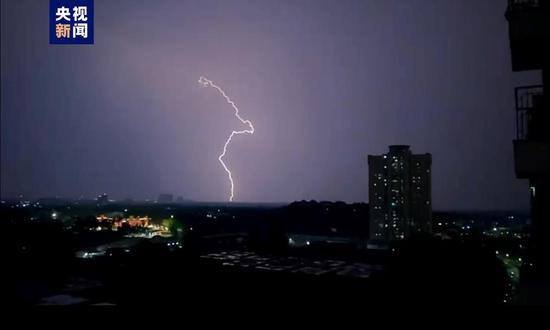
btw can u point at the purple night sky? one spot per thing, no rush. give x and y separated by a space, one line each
325 83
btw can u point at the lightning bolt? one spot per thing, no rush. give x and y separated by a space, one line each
205 83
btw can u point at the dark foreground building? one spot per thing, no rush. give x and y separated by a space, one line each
529 31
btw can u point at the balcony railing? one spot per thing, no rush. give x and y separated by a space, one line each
528 101
523 4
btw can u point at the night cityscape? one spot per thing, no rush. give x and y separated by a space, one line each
309 153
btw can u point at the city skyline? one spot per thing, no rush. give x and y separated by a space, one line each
326 84
396 150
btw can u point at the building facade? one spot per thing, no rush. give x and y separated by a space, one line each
529 26
399 194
